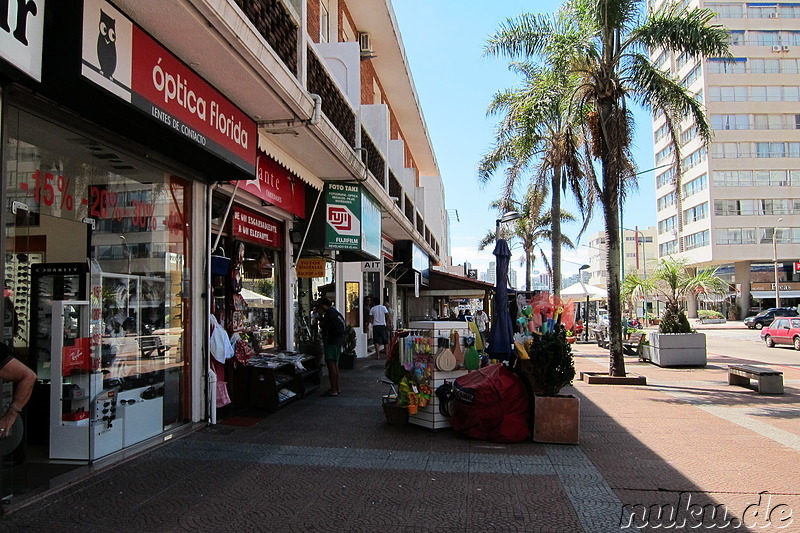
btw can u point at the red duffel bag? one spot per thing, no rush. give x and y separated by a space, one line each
492 405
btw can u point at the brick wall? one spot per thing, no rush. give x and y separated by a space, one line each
344 15
367 77
313 20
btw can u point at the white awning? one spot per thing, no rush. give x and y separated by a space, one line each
765 295
582 290
289 162
255 299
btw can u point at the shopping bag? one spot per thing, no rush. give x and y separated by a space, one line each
223 398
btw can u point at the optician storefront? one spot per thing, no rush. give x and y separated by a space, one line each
106 175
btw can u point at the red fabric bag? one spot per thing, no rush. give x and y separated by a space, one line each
492 405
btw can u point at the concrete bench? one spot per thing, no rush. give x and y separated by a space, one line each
601 336
769 381
631 345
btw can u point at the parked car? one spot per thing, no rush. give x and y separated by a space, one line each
765 318
782 331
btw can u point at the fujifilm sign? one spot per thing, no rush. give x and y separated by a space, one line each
21 32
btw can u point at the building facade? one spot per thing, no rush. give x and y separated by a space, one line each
163 158
737 204
638 246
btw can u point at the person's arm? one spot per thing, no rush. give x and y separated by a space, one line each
24 379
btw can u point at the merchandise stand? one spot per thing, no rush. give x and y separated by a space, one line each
417 353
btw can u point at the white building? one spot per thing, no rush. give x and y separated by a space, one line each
638 246
742 193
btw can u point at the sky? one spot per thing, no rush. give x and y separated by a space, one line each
444 42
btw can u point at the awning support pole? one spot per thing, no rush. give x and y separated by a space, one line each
225 217
308 227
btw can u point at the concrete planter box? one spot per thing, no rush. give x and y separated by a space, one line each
678 349
712 321
557 419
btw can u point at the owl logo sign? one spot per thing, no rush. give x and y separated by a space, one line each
340 218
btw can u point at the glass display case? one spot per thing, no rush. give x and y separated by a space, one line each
82 414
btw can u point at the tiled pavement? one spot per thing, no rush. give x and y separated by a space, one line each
333 464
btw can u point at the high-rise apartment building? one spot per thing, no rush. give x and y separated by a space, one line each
739 198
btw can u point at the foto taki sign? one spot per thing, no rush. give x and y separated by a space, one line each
352 220
120 57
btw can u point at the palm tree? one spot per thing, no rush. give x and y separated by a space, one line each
605 43
533 227
542 131
675 282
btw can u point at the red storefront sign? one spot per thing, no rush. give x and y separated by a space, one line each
276 185
258 229
120 57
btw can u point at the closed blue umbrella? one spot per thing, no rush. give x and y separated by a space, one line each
501 337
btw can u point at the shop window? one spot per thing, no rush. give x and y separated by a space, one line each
352 310
137 296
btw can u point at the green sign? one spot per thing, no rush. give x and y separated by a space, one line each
352 220
342 217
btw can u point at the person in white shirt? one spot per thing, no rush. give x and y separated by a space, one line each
380 317
482 321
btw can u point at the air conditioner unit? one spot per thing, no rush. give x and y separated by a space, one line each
776 48
773 15
785 48
363 40
365 44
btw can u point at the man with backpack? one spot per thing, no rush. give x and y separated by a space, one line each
332 329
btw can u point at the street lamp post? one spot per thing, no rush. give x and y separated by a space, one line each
644 268
508 216
583 286
775 262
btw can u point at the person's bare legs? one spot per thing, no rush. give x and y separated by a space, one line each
333 376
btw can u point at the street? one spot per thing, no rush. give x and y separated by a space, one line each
745 343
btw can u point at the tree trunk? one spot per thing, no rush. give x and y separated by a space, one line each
610 197
528 262
555 240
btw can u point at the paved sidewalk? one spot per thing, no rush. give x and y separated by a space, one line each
333 464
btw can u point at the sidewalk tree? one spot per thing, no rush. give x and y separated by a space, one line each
533 227
675 282
540 131
606 43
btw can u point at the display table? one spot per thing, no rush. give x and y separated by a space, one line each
277 380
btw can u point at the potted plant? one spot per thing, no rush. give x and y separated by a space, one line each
708 316
556 417
676 344
348 357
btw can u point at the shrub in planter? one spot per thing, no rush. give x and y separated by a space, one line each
552 365
674 282
348 357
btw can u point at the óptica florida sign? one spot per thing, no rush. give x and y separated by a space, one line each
352 220
120 57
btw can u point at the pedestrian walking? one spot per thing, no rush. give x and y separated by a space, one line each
380 318
332 329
